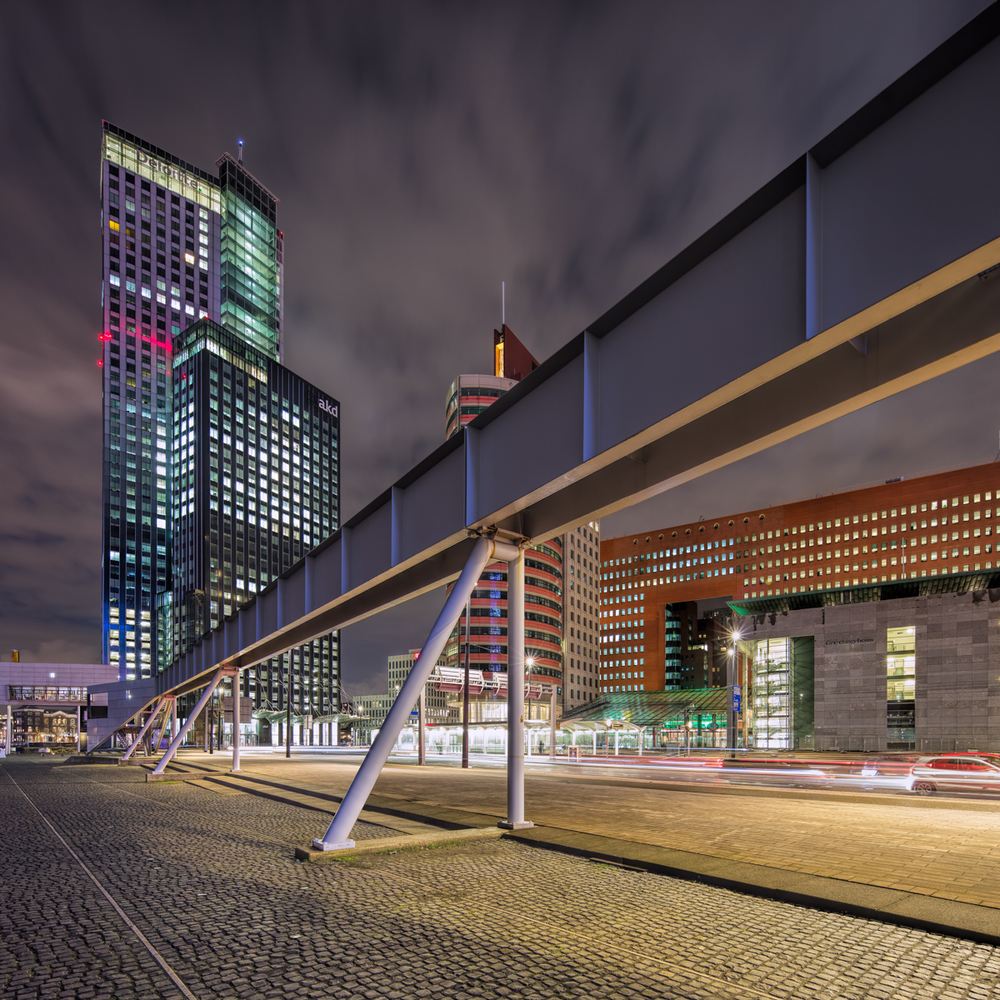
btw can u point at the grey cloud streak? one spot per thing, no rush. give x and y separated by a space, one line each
422 154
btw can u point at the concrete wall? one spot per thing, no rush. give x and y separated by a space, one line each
957 668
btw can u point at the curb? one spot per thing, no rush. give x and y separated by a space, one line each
894 906
386 845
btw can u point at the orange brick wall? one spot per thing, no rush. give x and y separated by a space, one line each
881 533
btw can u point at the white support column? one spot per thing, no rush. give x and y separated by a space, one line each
188 723
10 729
78 715
153 715
422 726
617 731
337 837
552 722
515 696
236 723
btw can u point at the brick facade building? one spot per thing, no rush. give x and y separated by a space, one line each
904 529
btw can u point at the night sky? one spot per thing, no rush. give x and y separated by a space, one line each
422 153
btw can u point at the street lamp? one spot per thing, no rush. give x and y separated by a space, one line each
733 680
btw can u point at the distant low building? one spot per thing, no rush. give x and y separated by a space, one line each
371 709
43 702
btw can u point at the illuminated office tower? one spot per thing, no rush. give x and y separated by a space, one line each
161 223
251 259
179 244
255 486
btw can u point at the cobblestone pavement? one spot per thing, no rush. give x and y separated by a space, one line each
208 879
947 849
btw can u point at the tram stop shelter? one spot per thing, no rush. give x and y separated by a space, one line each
647 720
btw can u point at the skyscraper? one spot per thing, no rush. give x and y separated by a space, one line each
158 276
255 486
544 601
182 245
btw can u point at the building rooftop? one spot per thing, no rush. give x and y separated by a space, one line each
951 583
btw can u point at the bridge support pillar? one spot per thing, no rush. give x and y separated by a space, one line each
153 716
188 723
515 696
338 836
552 717
422 726
236 723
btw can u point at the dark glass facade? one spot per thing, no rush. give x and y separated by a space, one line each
255 486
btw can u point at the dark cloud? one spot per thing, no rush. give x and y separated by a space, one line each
422 154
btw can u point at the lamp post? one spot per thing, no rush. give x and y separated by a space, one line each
734 706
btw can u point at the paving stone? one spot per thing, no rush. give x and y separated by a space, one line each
211 882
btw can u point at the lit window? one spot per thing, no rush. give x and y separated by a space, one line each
115 280
113 225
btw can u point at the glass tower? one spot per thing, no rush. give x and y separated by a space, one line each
251 261
182 246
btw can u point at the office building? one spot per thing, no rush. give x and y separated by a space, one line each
906 665
179 244
918 528
255 485
468 396
581 658
435 702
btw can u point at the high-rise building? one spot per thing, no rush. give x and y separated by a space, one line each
179 244
931 526
435 700
581 659
469 395
255 485
372 709
544 612
161 220
192 376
